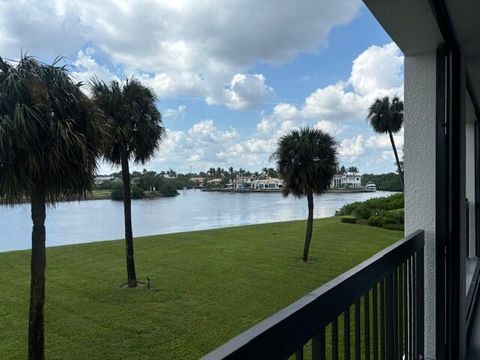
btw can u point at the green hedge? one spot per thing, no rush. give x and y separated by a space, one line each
167 187
364 209
386 212
135 192
349 219
164 187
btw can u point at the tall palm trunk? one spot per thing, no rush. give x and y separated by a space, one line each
400 172
127 211
36 342
308 236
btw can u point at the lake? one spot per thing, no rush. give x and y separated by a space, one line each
96 220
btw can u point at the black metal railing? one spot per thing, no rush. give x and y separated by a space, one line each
373 311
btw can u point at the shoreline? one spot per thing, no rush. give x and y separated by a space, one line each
88 197
330 191
154 196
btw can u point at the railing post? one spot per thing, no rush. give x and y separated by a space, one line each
389 318
419 277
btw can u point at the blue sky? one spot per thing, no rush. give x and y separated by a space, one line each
231 76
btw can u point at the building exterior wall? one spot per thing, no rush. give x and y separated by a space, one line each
267 184
341 180
242 182
420 171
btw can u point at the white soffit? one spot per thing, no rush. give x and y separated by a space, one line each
410 23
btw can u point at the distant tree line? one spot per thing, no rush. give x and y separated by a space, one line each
166 182
386 182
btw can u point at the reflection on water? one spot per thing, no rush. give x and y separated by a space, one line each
86 221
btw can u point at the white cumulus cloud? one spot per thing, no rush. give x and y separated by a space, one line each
243 91
351 148
176 113
337 109
379 69
190 47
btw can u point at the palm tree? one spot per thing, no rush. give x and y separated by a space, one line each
353 170
307 161
265 171
48 150
343 171
271 173
232 173
135 131
387 117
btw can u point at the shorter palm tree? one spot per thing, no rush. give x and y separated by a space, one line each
386 117
307 161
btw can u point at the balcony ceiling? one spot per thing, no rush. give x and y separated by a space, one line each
413 27
465 18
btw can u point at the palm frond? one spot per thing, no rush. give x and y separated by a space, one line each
385 115
306 160
132 120
48 134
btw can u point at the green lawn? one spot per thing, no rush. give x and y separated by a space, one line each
101 193
208 286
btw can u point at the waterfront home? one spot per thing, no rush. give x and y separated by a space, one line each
240 182
267 184
198 180
346 181
216 181
417 299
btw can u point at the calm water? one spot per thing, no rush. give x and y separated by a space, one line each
88 221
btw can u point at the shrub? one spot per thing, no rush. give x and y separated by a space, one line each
117 192
349 219
375 220
386 212
394 227
393 219
167 188
392 202
136 192
362 211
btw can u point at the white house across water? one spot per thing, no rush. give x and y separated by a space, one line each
346 181
267 184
